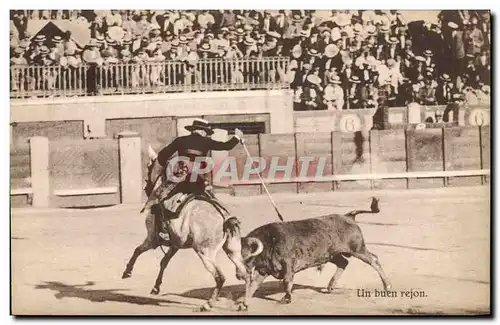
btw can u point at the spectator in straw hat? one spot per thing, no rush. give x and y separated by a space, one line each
334 94
312 91
92 54
58 44
126 55
346 71
204 51
353 94
417 72
270 47
250 47
392 51
18 57
331 58
294 28
301 75
233 51
325 38
444 90
312 57
43 57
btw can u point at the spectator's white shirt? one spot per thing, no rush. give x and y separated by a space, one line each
395 77
129 26
181 24
113 19
222 42
334 93
384 74
205 19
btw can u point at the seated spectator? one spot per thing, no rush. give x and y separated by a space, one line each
428 92
346 44
405 94
334 94
311 95
353 93
368 95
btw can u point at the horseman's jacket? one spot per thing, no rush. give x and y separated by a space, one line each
194 145
191 146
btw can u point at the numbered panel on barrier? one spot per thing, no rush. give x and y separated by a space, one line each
349 123
477 116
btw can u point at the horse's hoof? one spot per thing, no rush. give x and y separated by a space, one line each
205 307
388 287
155 291
126 275
241 307
330 290
285 300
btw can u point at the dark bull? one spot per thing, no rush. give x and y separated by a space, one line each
282 249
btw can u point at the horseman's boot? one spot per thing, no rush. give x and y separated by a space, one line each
162 229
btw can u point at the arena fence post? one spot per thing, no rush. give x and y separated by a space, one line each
129 144
40 182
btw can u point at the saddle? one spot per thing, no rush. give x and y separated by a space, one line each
171 208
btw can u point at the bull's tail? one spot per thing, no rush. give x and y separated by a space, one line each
232 227
373 209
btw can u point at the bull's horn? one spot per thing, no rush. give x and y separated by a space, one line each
152 154
255 241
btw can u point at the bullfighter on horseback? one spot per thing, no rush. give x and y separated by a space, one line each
196 145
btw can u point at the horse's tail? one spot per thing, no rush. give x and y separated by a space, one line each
232 227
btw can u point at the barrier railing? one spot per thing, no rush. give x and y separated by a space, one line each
148 77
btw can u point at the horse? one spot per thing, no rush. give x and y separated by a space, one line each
201 226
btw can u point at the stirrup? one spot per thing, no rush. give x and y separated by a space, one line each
164 236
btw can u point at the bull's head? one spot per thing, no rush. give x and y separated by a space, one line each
250 248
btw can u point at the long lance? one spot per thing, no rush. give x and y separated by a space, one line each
263 184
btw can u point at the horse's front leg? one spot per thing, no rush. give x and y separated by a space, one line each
163 265
150 242
144 247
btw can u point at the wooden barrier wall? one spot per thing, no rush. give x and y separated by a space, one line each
80 165
108 171
375 152
20 172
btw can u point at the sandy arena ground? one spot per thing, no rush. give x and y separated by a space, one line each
438 241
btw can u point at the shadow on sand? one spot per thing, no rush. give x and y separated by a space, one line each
233 292
104 295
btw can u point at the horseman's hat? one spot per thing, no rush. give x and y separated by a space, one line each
199 124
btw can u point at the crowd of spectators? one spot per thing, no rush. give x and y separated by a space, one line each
338 59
